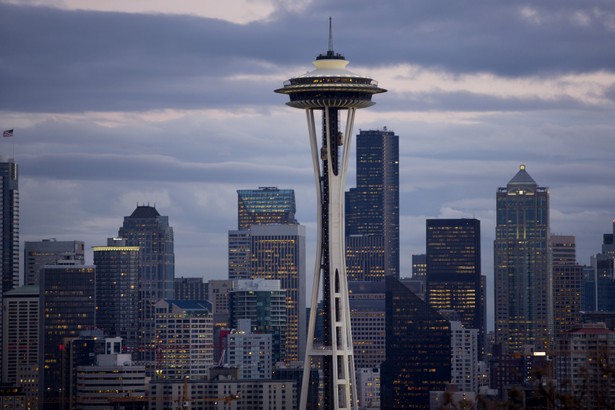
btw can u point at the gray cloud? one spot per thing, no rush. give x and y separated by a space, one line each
59 61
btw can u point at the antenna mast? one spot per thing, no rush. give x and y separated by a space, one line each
330 36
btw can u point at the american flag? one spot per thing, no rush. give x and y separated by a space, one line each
7 133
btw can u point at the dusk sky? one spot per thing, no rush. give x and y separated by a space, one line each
172 104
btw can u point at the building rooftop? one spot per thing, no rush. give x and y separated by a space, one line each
145 211
191 304
522 178
27 290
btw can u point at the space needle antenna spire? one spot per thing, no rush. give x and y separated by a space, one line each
333 93
330 36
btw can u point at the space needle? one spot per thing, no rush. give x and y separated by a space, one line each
332 90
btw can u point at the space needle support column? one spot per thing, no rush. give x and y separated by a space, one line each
336 350
330 89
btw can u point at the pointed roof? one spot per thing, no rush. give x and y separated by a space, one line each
145 211
522 178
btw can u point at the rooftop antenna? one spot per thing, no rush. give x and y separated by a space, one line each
330 37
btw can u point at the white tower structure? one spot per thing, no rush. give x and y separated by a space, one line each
331 89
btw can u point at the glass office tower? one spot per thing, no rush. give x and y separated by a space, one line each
523 304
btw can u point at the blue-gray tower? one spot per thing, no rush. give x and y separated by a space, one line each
331 89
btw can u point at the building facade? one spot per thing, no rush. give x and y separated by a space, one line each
67 307
111 378
264 206
367 319
453 277
418 350
184 339
50 252
584 367
20 355
251 352
464 357
372 208
277 252
9 228
151 232
523 285
263 303
567 284
191 289
604 275
118 291
224 393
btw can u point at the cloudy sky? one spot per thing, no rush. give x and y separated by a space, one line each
172 104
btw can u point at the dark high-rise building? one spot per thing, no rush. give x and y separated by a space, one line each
191 289
418 350
266 205
117 291
604 274
67 304
419 267
372 208
567 284
9 229
523 300
454 271
151 232
50 252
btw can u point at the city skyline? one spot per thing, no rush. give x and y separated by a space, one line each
92 139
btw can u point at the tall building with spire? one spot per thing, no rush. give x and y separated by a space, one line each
151 232
523 286
9 229
372 208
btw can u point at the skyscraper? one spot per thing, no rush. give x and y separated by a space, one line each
21 334
523 302
454 271
332 90
67 306
9 229
276 252
50 252
567 284
117 291
604 276
151 232
372 208
418 350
